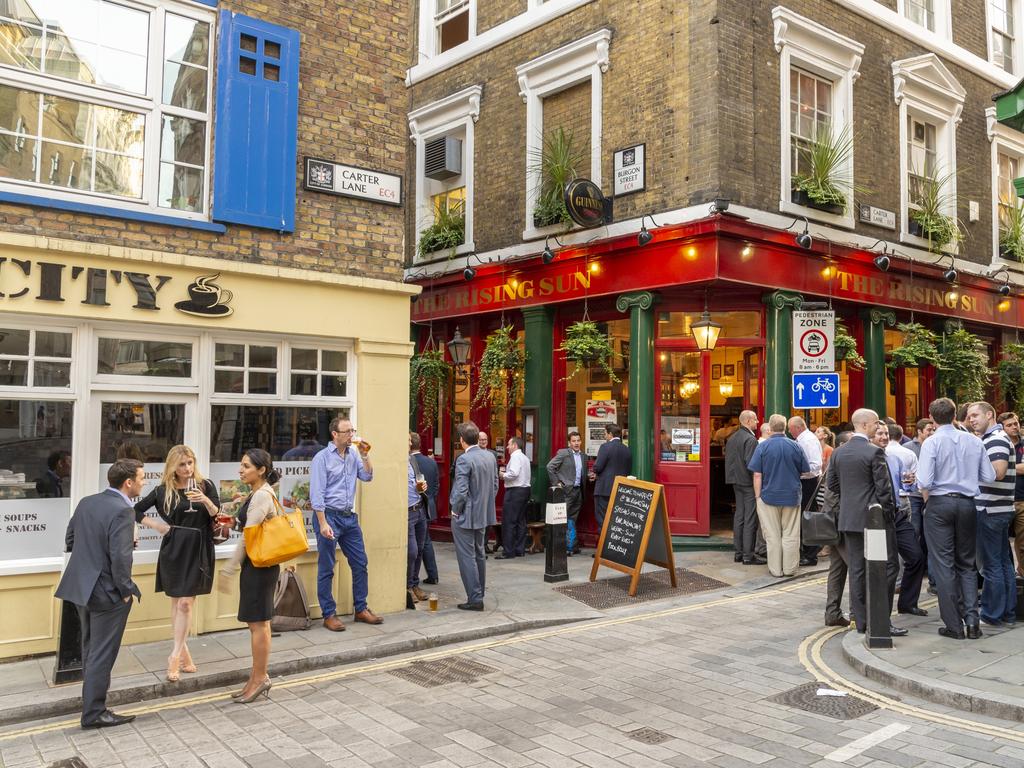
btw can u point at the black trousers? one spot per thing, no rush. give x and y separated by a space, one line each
808 486
853 554
950 527
513 521
837 572
102 631
573 502
914 562
600 507
744 521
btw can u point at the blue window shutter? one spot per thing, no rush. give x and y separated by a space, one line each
254 161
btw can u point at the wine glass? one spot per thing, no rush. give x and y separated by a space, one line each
190 488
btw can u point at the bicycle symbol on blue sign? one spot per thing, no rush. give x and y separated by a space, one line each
816 390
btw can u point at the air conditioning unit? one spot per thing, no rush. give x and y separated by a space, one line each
442 158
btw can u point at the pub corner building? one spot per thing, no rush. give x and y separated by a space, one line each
677 402
209 296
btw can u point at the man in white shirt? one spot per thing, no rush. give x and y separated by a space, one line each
517 494
811 447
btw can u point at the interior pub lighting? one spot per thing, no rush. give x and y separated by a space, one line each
705 331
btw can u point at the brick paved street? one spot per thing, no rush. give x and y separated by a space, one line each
698 671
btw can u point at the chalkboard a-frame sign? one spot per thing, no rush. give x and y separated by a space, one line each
635 531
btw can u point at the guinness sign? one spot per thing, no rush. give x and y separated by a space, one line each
586 205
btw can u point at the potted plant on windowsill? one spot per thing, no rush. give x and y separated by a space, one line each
963 366
826 185
558 163
585 344
428 375
501 371
447 232
928 217
1011 375
1011 233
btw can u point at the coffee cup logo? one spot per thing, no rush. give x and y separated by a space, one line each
206 298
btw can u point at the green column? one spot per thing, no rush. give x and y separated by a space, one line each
641 379
875 380
778 396
538 326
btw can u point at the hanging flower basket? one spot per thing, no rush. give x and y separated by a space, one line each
963 366
428 376
1011 375
846 349
586 344
501 371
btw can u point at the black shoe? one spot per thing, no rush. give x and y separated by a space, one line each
898 632
737 557
430 581
107 720
838 621
503 557
755 560
915 611
470 606
974 632
806 561
947 632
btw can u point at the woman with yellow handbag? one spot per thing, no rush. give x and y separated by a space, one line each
270 537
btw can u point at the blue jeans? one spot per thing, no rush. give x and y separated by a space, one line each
999 594
417 536
349 536
429 559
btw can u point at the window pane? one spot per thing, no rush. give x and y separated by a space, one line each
289 433
262 357
17 157
333 386
73 59
228 381
334 361
230 354
262 383
181 188
120 131
13 342
304 359
14 373
66 166
118 175
186 40
21 45
735 325
68 120
304 384
122 70
184 86
183 140
51 374
53 344
128 357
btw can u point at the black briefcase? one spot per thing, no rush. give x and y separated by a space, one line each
534 513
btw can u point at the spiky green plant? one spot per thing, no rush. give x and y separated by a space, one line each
932 201
1011 232
558 162
827 180
447 232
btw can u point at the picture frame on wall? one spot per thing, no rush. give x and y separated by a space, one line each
716 371
729 370
739 370
624 355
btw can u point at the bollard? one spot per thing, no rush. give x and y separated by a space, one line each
876 556
555 565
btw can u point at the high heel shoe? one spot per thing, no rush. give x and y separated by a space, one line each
262 690
238 694
173 664
187 665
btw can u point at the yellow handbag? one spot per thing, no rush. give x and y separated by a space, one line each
277 539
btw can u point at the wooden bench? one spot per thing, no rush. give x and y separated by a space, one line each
536 531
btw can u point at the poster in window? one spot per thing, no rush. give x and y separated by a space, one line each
716 371
599 414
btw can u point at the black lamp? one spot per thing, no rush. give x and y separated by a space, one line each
645 236
548 255
881 262
1005 289
719 205
468 273
705 331
804 239
458 348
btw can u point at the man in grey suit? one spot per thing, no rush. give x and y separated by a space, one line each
98 580
471 504
568 471
739 448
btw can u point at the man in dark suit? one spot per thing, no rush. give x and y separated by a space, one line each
98 580
568 471
859 475
427 467
739 448
613 459
56 483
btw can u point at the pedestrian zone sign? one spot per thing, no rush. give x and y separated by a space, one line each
816 390
813 341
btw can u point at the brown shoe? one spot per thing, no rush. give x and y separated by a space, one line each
334 624
368 617
419 594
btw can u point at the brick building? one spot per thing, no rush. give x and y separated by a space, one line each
671 106
200 242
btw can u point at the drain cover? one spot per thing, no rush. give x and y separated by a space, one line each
431 674
611 593
69 762
806 697
648 736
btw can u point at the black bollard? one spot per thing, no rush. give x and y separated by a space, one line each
68 666
555 565
876 556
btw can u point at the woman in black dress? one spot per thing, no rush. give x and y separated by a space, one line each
256 585
184 502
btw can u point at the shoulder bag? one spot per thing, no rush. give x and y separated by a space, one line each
819 525
278 538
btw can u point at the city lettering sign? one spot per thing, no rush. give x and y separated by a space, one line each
586 204
352 181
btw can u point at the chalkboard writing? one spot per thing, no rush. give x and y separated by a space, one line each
627 520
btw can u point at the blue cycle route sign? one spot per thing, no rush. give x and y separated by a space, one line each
816 390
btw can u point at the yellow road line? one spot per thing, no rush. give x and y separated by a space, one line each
383 666
810 656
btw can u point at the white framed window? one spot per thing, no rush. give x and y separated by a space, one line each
318 372
933 15
445 25
34 358
108 102
555 71
120 359
818 68
454 118
241 368
1004 34
1007 163
930 102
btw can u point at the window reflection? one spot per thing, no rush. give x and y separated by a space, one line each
126 357
679 437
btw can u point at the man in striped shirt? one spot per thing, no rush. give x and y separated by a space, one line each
995 511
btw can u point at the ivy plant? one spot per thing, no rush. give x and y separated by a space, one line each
586 344
920 347
846 348
1011 375
963 366
447 232
428 375
501 371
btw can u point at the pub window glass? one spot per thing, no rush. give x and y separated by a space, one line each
31 358
245 369
594 383
136 357
679 434
287 433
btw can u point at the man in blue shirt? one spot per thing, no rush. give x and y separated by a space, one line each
952 465
777 464
332 493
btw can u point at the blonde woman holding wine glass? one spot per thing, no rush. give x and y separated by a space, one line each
185 502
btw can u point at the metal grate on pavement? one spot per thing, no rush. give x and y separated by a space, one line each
69 762
431 674
656 585
647 735
806 697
